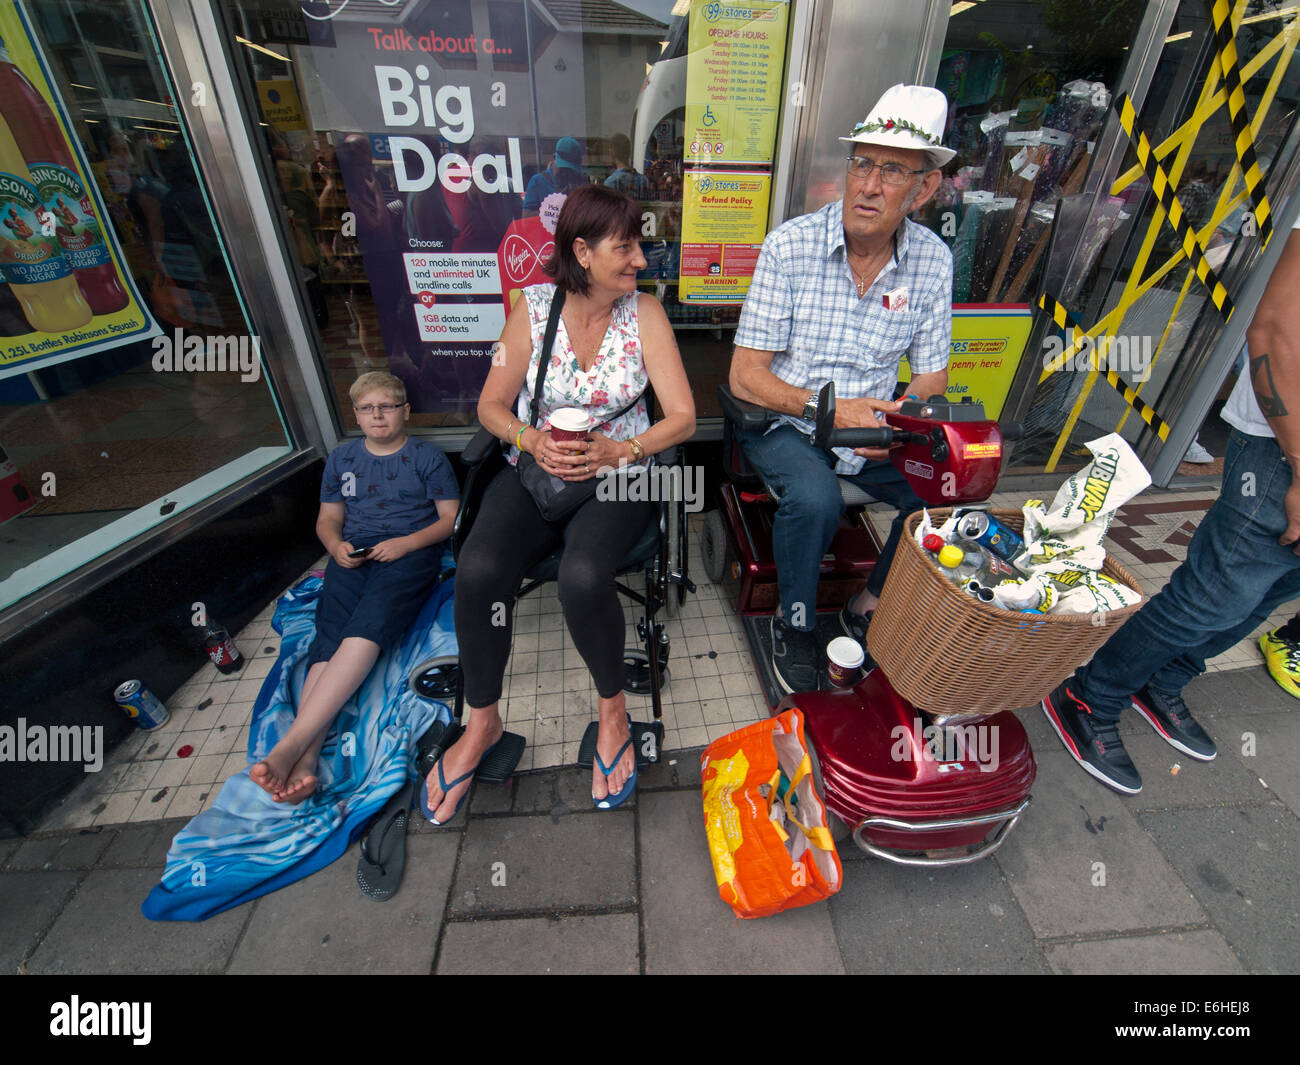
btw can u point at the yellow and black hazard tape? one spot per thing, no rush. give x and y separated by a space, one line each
1164 193
1063 318
1243 141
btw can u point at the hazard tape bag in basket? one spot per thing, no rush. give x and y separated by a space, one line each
768 837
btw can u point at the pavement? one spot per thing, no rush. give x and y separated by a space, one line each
1194 875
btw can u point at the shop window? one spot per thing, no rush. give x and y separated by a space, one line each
132 385
1030 85
422 130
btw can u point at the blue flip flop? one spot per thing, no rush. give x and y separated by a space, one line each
442 783
609 802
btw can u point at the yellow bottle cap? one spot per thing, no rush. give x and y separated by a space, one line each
951 555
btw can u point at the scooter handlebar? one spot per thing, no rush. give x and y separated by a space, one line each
862 437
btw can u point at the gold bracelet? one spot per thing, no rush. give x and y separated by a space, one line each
637 450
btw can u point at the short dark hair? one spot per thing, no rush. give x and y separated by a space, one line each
592 212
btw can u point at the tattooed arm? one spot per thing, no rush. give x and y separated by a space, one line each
1274 342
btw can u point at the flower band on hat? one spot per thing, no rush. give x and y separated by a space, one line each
896 123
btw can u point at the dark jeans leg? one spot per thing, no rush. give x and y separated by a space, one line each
884 483
1235 574
806 518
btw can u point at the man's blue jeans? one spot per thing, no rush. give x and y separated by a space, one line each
1236 574
809 512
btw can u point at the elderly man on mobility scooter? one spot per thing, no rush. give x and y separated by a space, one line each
843 294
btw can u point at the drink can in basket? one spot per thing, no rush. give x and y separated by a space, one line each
141 705
985 530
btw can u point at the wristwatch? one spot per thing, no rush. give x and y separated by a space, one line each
637 449
810 407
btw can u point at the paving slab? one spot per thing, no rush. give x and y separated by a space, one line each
140 845
1241 864
556 792
37 853
30 901
599 944
1224 781
101 930
675 769
1051 860
323 924
537 863
1239 692
83 849
900 919
1201 952
688 929
1275 740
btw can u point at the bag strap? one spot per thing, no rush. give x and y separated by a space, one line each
544 361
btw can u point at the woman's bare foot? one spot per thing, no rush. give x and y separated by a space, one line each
614 732
484 729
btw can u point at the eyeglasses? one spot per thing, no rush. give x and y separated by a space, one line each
382 408
861 167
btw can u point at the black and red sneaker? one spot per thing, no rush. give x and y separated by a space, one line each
1094 744
1169 716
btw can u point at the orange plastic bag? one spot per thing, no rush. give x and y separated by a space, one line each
768 837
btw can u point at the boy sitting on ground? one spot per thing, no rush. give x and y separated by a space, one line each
387 501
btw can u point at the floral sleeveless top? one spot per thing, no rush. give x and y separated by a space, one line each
617 375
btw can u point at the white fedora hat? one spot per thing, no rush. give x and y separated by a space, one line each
907 116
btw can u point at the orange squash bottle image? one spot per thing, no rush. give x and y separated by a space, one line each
66 201
30 259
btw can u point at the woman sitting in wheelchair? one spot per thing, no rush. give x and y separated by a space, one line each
608 339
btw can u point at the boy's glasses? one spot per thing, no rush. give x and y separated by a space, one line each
382 408
860 167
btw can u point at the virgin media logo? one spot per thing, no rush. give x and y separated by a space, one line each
521 258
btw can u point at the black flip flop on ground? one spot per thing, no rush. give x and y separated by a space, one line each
383 847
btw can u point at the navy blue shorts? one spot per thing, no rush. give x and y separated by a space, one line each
376 601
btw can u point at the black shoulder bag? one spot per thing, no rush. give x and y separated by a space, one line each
555 498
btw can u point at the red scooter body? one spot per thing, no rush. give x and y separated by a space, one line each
952 455
905 786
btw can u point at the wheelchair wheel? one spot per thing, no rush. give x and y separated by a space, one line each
637 666
713 545
437 679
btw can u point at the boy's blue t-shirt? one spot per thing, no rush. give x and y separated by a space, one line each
387 495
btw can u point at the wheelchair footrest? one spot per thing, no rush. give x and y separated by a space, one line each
648 740
495 768
498 765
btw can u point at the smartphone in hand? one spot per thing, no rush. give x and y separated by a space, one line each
360 552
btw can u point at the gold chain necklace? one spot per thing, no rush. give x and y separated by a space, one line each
861 283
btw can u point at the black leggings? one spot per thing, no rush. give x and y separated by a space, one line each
509 537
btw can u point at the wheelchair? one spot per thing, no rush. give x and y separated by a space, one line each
660 555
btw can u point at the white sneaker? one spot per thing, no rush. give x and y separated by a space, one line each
1197 454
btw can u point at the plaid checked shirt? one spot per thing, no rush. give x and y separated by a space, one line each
804 306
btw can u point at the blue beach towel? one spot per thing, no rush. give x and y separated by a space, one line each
247 845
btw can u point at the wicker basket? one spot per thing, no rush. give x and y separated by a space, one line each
945 650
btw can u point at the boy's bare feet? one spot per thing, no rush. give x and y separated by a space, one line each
484 729
271 774
301 782
614 732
